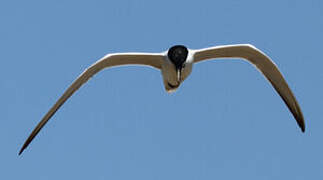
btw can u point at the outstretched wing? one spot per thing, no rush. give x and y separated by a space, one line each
263 63
149 59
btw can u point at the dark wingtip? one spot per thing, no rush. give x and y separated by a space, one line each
22 149
25 144
302 126
300 121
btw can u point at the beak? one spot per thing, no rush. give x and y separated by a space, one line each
179 71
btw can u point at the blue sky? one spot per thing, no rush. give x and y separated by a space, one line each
224 122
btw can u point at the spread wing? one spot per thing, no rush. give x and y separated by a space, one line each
264 64
149 59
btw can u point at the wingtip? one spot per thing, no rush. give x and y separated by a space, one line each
301 124
303 128
21 150
300 119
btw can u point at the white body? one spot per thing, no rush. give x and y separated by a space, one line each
170 75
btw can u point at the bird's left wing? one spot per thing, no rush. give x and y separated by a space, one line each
263 63
148 59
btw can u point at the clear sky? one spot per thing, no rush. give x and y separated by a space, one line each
224 122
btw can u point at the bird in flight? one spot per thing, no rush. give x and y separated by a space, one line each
176 65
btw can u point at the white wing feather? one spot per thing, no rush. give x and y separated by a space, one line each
147 59
263 63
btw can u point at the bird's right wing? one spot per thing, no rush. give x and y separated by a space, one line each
147 59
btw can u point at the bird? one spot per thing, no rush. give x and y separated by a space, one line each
176 65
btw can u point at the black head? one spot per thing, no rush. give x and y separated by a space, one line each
178 54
